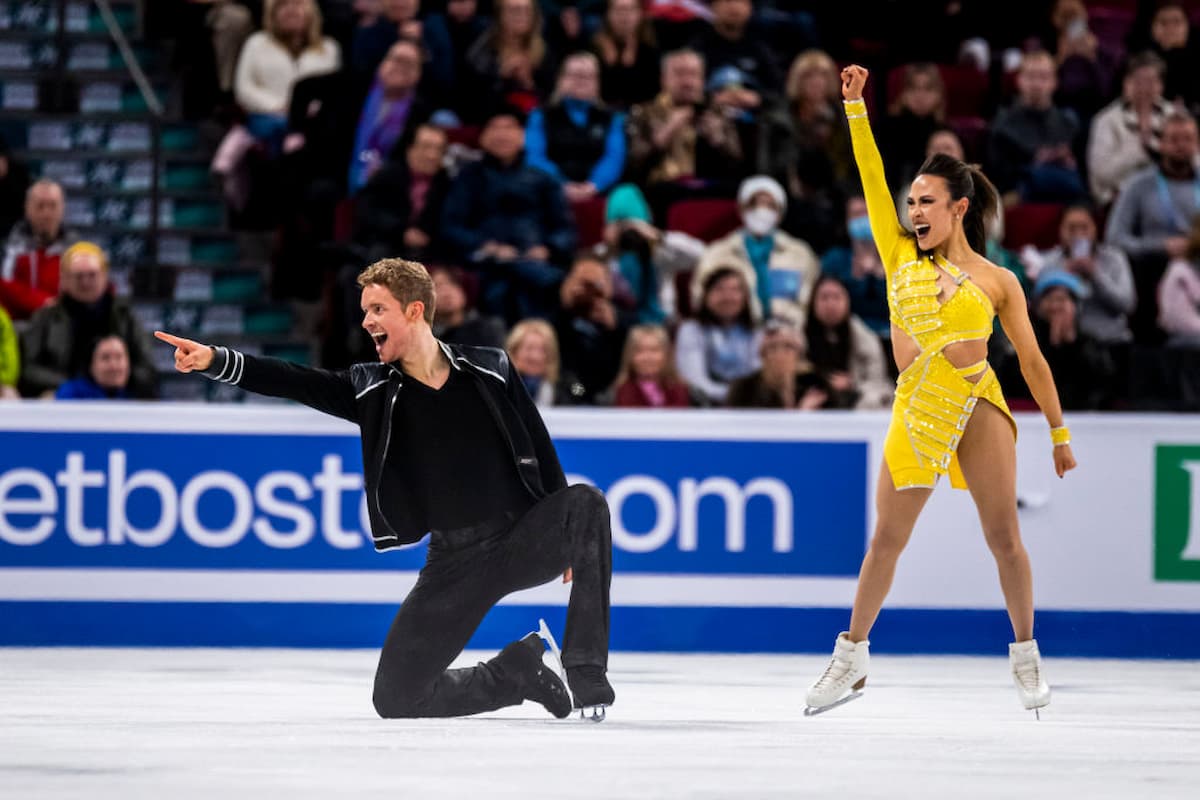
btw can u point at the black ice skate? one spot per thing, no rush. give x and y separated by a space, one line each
537 681
590 690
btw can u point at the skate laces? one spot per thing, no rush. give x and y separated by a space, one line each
1028 672
837 670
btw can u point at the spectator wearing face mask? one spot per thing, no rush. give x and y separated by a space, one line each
779 269
858 266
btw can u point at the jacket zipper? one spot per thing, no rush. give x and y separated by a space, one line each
387 441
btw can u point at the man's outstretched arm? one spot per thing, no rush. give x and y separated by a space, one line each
326 391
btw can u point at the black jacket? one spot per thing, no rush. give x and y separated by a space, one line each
366 394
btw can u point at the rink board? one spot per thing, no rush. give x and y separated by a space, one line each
733 531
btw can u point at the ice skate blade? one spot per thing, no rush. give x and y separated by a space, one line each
548 638
593 713
810 711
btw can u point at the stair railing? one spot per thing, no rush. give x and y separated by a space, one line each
153 105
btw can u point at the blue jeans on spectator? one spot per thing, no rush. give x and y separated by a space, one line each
269 130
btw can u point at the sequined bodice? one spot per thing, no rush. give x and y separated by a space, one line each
913 299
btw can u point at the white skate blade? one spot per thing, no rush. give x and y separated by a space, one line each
593 713
548 637
810 711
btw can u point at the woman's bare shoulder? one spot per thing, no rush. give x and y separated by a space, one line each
1002 283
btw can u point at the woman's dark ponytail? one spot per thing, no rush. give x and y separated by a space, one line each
967 180
985 202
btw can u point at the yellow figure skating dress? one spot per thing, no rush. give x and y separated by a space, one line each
934 398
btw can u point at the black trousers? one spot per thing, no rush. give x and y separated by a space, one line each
469 571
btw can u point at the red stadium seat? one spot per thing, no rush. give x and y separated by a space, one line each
972 132
467 135
1111 26
967 90
589 220
1032 223
706 219
343 220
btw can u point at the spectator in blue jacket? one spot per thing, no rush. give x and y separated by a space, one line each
510 221
107 376
574 137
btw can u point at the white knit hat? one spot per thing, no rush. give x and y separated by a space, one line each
761 183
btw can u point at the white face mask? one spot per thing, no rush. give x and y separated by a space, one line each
760 220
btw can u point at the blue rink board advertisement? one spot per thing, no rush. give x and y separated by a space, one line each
191 526
237 501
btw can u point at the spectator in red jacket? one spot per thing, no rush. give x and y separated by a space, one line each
30 270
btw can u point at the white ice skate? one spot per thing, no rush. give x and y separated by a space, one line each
1026 663
843 678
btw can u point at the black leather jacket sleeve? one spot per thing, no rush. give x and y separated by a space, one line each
327 391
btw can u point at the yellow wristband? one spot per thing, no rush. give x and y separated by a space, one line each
1060 435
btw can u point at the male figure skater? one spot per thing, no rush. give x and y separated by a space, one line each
452 444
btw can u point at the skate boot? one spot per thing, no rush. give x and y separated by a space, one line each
522 663
1026 663
842 679
591 692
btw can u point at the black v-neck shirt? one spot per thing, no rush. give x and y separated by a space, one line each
447 447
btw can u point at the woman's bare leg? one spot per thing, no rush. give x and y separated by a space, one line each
988 457
896 513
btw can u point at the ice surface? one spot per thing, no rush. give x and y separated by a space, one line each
226 724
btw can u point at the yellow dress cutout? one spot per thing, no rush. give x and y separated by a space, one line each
934 398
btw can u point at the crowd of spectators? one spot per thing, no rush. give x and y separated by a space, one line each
654 202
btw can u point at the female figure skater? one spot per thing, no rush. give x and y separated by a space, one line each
942 296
